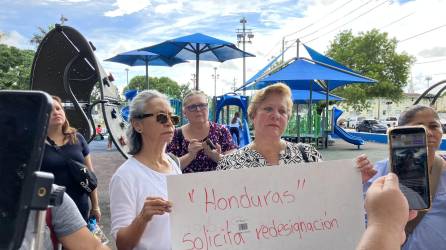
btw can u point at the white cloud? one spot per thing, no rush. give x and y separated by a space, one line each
67 1
172 19
433 52
15 39
169 7
124 7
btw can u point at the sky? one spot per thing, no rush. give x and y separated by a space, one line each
116 26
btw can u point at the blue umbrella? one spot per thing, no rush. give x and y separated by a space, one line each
199 47
303 96
144 58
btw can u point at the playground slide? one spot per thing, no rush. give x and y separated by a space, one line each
342 133
242 102
244 135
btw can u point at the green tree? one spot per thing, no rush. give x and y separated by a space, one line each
15 67
38 37
163 84
372 54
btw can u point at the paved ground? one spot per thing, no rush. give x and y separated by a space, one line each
106 163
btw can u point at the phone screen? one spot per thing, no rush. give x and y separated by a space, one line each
409 162
23 119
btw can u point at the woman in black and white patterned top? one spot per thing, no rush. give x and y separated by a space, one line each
269 111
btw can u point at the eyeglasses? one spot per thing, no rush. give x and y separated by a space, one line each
194 107
162 118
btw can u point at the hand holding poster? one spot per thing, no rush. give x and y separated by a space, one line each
313 206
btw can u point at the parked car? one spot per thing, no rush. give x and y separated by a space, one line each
442 120
353 122
371 126
391 121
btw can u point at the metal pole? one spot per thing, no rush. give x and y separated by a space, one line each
215 81
243 21
326 115
297 45
310 103
283 49
147 74
127 75
197 69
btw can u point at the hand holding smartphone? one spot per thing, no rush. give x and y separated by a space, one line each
210 144
408 160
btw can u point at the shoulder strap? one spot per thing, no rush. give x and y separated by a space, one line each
434 177
302 152
49 223
59 150
175 159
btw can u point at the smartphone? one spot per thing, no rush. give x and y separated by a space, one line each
210 144
408 160
24 117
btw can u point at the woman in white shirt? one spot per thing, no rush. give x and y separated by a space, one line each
138 191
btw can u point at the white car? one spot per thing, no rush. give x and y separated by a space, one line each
390 121
353 122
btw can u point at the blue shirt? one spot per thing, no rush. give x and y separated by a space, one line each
430 233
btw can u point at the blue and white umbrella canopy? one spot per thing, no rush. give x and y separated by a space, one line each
198 47
144 58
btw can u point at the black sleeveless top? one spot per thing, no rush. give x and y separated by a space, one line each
56 164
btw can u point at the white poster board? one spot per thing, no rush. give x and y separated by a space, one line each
310 206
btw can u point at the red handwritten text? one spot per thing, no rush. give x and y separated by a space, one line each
207 240
300 227
245 199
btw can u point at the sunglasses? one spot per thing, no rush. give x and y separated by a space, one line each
194 107
162 118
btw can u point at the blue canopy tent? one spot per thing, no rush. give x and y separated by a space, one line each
303 96
198 47
324 59
303 73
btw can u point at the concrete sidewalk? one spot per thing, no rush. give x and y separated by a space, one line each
106 162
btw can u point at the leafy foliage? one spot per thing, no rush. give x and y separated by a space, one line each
38 37
15 67
163 84
372 54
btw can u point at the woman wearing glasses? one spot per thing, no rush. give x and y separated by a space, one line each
201 143
138 192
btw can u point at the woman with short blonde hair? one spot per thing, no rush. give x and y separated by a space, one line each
200 144
270 111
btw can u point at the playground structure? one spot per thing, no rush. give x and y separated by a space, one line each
337 130
225 115
65 65
320 74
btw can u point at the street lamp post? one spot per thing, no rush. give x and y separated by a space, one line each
241 38
428 78
127 71
215 76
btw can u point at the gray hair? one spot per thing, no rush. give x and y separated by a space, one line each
136 109
194 93
407 116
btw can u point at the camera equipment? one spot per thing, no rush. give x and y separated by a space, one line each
23 124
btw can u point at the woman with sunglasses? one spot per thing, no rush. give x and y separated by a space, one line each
201 143
139 204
